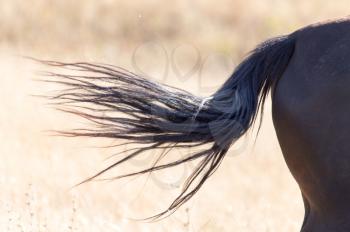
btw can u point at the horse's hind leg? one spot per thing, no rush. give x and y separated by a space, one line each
307 212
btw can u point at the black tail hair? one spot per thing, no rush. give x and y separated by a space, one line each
158 116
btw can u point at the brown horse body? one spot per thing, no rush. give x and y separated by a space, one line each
311 114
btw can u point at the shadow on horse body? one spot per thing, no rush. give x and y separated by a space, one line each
309 74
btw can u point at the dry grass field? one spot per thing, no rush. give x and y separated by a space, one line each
251 191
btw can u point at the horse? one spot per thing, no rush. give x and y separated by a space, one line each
308 75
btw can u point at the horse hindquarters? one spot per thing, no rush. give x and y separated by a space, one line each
311 114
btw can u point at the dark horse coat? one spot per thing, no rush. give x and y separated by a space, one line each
308 72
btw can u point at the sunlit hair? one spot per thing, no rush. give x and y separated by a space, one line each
158 116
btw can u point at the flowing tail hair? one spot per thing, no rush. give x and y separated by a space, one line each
123 105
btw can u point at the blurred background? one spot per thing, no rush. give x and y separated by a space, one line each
189 44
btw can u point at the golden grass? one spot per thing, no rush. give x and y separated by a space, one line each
252 191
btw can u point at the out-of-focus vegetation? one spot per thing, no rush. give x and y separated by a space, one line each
105 27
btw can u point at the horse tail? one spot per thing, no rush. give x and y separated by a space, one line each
126 106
